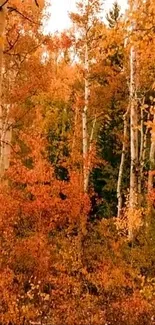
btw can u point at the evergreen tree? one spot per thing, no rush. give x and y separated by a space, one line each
114 15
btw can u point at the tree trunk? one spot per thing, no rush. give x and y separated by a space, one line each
143 148
2 32
89 159
152 158
141 154
121 168
133 132
6 142
134 168
84 120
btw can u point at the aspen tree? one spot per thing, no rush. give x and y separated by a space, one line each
121 168
133 199
152 156
5 122
134 154
3 11
85 112
86 20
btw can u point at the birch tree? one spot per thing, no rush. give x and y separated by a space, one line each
152 156
121 168
85 111
6 8
134 144
133 199
3 11
86 21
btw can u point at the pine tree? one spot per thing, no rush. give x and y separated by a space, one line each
114 15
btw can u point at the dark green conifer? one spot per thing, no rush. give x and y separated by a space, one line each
114 15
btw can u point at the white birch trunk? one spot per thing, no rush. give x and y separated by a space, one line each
121 168
89 160
2 33
152 157
134 167
6 142
84 120
133 132
145 138
141 155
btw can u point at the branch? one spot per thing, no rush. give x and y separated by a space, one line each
3 4
6 1
11 9
9 144
12 44
36 2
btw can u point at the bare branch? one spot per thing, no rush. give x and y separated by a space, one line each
36 2
11 9
3 4
12 45
9 144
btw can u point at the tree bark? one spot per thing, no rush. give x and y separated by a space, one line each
152 157
121 168
141 154
6 142
84 119
2 33
89 160
133 132
134 167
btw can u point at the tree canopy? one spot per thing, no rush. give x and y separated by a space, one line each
77 166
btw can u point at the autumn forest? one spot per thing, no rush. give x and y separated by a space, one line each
77 165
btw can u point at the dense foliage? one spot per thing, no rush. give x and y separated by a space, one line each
66 256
